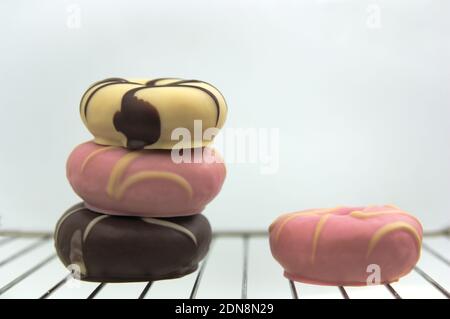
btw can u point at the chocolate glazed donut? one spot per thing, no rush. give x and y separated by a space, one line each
104 248
138 120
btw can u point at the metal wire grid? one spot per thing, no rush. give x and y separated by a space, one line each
245 236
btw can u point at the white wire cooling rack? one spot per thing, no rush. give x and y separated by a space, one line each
239 265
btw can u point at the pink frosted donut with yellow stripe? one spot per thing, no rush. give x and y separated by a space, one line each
146 183
346 246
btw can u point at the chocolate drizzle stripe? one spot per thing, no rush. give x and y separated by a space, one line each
211 94
171 225
197 81
138 120
186 81
86 104
107 80
115 80
154 81
63 219
91 225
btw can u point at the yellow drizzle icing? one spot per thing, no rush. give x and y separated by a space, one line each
92 155
118 170
391 206
149 175
291 216
116 188
317 233
386 229
171 225
365 215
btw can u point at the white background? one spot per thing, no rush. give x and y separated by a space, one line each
358 89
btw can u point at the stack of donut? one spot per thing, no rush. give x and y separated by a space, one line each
140 216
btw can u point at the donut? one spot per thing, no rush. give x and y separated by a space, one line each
145 183
346 245
142 113
104 248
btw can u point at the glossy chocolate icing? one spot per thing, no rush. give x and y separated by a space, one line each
138 120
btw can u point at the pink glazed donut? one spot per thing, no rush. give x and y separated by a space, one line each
145 183
346 246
